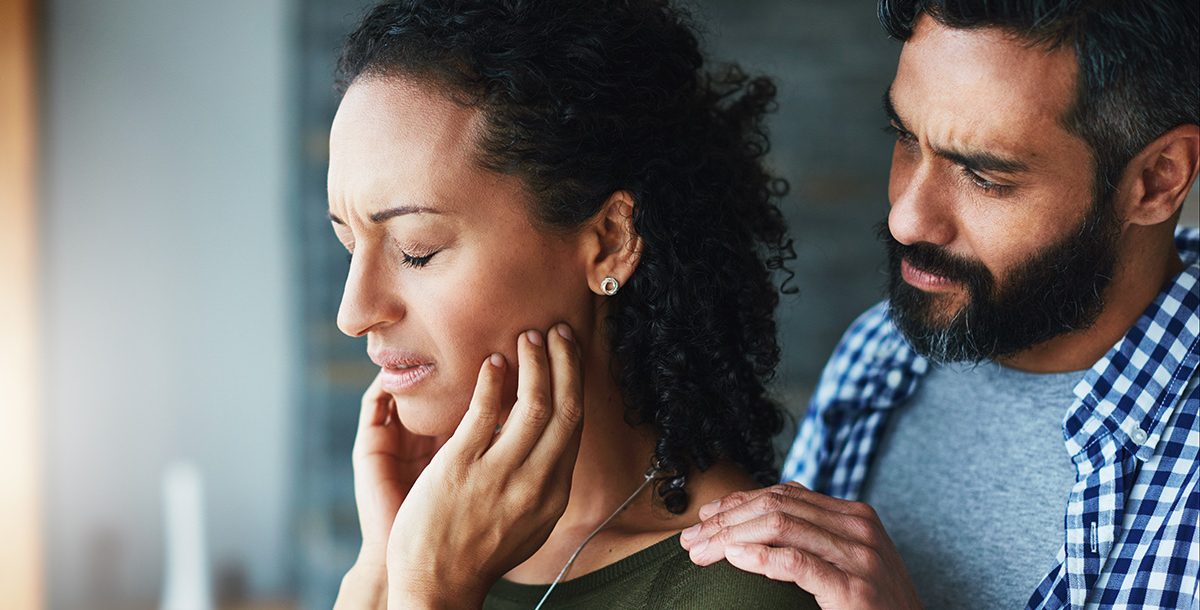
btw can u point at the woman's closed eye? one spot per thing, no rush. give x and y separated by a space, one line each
408 260
412 260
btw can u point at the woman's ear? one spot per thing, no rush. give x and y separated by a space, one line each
1161 176
614 246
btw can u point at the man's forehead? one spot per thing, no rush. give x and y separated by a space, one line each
992 58
983 83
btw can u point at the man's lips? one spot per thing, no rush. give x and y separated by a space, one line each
924 280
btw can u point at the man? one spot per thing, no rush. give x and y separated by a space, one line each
1018 421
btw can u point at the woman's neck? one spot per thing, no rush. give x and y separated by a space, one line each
612 463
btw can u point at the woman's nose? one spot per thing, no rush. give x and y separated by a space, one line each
369 299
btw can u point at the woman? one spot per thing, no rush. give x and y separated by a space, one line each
497 166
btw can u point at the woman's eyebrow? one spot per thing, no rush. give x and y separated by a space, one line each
389 213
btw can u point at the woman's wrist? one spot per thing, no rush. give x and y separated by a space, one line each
423 590
364 586
432 598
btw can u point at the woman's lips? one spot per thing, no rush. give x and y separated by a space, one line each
925 280
401 370
395 380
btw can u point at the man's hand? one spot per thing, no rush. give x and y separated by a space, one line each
835 549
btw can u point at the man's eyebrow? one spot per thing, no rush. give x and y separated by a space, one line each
977 160
389 213
984 161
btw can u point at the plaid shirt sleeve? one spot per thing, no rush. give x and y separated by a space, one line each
1130 529
872 369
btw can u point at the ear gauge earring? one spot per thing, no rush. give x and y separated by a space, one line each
609 285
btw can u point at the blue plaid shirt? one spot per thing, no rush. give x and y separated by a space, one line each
1130 525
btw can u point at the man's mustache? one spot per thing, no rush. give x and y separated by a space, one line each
933 259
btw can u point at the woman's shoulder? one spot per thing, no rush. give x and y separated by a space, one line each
661 576
680 583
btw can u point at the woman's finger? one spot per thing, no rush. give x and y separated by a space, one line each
375 405
566 399
532 411
477 428
373 419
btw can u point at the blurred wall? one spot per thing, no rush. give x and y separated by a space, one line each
168 304
832 62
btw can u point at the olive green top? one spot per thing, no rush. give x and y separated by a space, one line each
661 576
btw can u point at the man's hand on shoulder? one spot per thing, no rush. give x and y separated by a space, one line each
835 549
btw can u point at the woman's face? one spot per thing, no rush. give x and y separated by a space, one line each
447 264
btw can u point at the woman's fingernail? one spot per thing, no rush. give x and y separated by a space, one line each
690 532
700 546
564 331
708 509
735 550
497 360
534 337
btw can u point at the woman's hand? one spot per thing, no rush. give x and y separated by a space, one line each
488 500
387 460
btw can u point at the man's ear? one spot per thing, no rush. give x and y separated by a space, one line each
614 247
1159 178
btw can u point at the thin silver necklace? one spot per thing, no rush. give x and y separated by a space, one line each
649 477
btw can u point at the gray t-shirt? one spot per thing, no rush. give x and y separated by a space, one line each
971 481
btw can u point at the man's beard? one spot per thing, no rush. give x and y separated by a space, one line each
1057 290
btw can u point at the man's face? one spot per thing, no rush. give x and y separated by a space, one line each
996 239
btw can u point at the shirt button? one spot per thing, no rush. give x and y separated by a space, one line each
1140 436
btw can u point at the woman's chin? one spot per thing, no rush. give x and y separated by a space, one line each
426 421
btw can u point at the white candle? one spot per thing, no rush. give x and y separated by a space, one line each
186 577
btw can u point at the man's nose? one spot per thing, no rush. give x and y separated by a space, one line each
922 205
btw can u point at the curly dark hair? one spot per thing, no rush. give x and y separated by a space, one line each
584 98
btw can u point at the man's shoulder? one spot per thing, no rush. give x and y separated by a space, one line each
872 336
872 355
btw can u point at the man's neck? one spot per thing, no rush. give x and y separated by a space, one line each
1137 283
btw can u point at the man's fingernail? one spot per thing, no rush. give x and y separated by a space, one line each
690 532
564 331
497 360
534 337
735 550
709 508
700 546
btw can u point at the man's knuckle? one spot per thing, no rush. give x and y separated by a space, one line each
725 536
864 510
768 502
791 562
718 521
733 499
778 523
872 562
790 491
856 527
